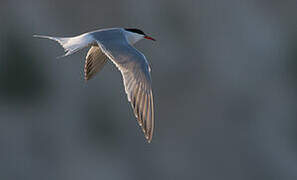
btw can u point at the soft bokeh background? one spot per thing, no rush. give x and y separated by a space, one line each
224 78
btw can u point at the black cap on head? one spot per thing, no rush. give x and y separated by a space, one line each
135 30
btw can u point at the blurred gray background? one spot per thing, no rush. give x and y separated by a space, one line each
224 78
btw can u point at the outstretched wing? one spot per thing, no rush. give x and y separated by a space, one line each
137 81
95 60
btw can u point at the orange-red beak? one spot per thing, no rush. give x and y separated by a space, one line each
150 38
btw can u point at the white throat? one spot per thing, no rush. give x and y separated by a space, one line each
133 37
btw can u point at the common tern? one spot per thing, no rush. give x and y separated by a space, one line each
116 44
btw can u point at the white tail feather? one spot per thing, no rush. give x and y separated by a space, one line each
71 44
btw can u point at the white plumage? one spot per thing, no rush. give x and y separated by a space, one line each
116 44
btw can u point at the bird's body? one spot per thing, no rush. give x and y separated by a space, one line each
115 44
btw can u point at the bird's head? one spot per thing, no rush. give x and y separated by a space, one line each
133 35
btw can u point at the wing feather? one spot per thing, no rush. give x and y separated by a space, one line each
95 60
137 81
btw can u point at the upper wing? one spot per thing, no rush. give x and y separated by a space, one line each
137 81
95 60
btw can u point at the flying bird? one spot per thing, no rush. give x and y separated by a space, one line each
116 44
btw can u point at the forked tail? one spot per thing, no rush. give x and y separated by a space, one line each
71 44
